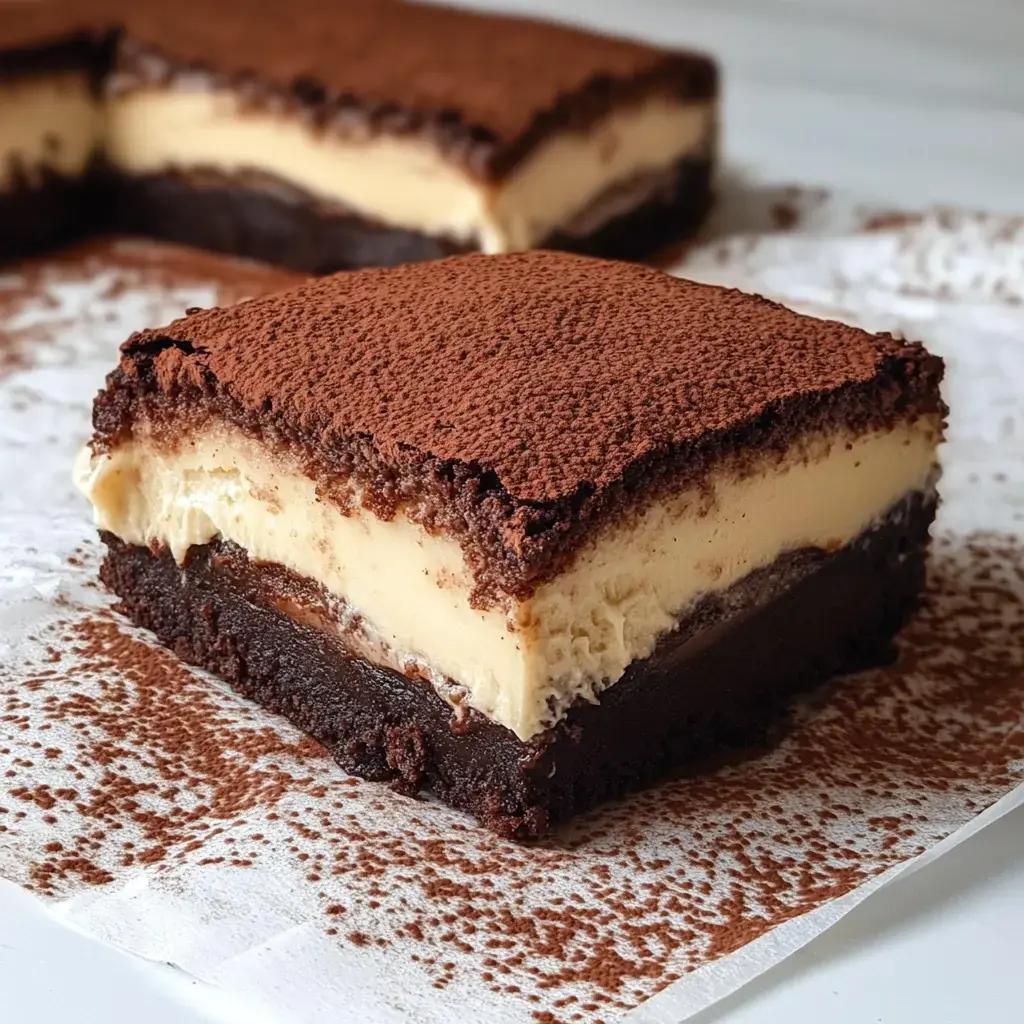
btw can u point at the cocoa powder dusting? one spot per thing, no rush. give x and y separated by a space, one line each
156 756
45 312
553 372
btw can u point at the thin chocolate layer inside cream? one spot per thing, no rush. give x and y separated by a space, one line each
521 663
51 123
405 181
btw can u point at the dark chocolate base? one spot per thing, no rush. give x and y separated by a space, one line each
664 220
51 212
716 682
275 224
272 224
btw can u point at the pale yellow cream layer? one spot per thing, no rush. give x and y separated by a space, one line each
524 663
52 122
405 181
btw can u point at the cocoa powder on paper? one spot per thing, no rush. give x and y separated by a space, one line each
148 712
129 266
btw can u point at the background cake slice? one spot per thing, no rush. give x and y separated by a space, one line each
327 136
52 59
330 135
529 530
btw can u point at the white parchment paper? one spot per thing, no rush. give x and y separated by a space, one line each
158 811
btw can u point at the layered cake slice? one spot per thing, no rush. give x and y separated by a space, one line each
52 58
327 135
330 136
527 530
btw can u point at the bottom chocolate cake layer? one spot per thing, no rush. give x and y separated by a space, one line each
262 221
48 213
719 681
278 225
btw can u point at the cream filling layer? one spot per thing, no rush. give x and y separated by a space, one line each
52 122
522 664
405 182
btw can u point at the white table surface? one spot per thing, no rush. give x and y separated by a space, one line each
904 101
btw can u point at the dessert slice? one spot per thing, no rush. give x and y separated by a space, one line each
328 136
51 62
528 530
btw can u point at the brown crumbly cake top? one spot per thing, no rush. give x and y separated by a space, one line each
516 400
50 35
486 87
29 24
552 371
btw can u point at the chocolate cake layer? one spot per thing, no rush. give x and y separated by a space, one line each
672 213
277 224
519 402
727 670
262 221
49 212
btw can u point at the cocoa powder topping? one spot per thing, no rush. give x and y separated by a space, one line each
548 370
